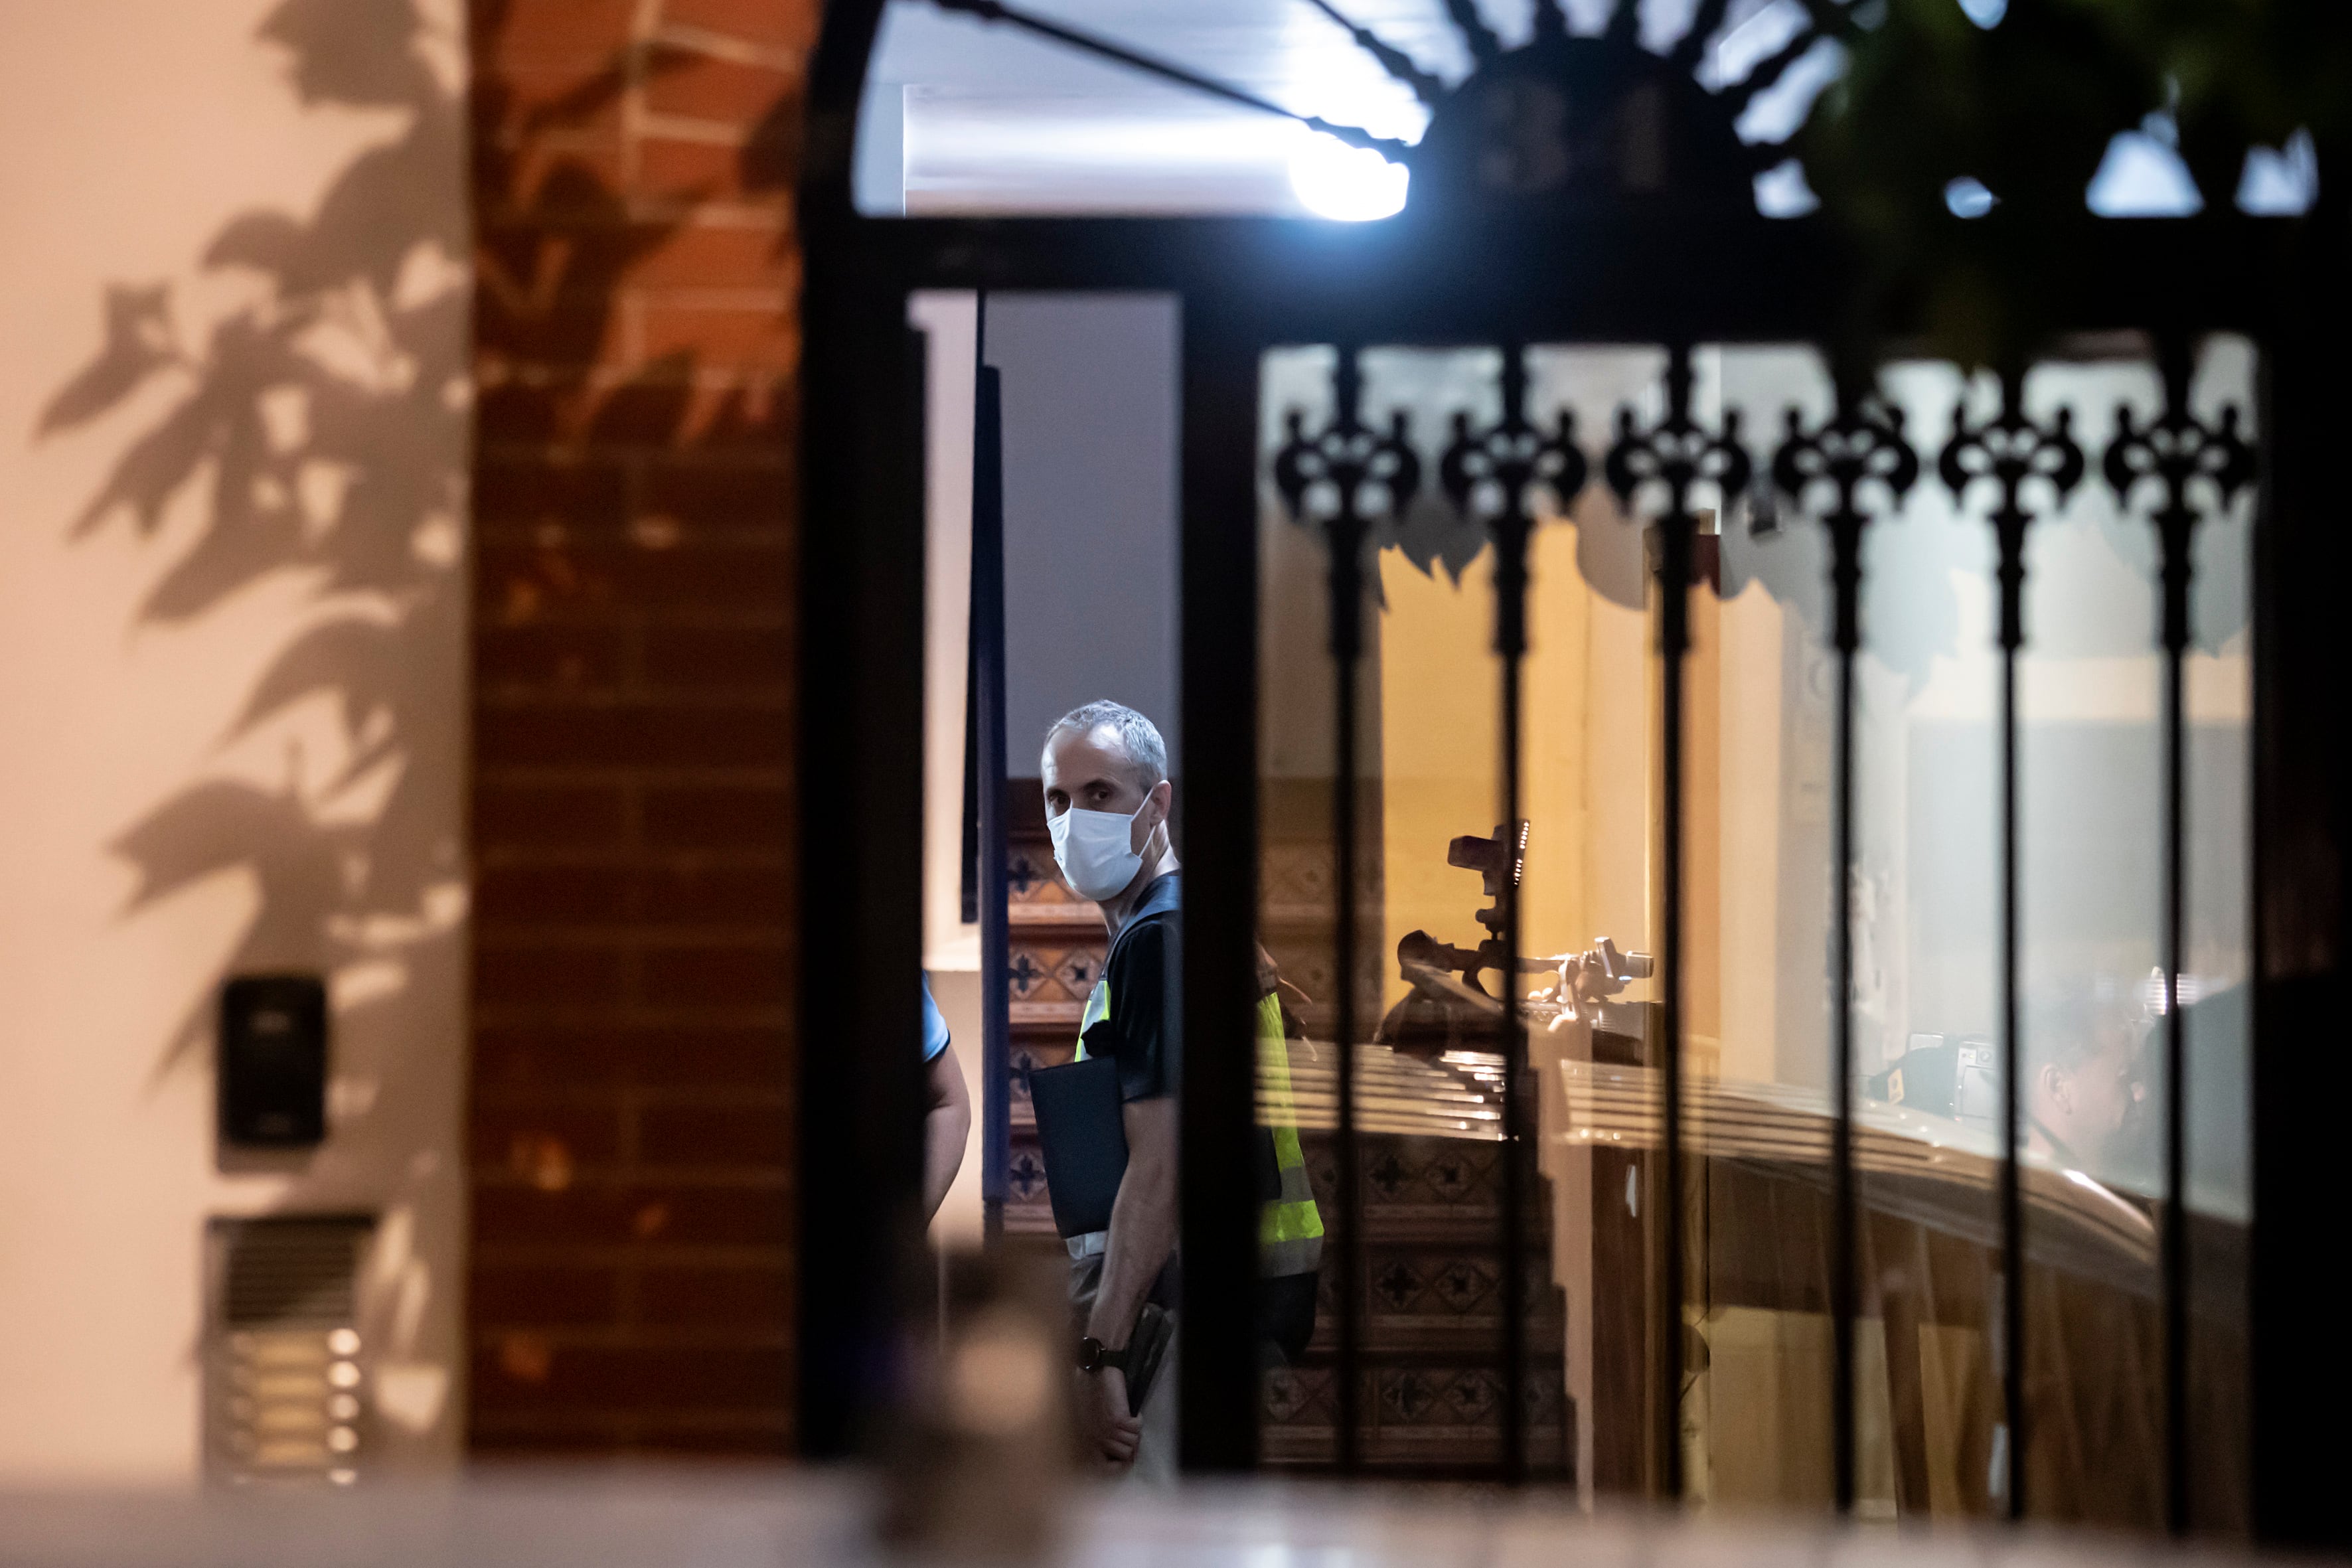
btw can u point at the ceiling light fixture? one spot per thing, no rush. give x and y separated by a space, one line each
1353 184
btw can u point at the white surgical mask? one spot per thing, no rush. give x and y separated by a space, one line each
1093 849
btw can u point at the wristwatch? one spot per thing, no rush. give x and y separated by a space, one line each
1093 1355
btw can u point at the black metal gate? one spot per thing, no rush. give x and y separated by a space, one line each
1630 238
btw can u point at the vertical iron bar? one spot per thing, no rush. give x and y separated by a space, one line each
2175 522
859 1214
2302 829
1677 530
1514 1205
2012 1201
1217 796
988 690
1846 535
2010 522
2175 1087
1511 529
1674 634
2012 451
1862 443
1347 542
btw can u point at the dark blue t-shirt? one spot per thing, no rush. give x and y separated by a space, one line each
935 1028
1138 1027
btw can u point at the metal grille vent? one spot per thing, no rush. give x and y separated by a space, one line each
286 1377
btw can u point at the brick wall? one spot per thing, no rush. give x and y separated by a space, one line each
631 1107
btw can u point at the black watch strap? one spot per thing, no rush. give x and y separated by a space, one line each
1094 1355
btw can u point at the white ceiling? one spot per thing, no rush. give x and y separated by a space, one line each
966 116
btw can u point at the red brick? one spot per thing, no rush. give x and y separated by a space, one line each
753 416
745 337
511 1138
730 577
514 896
634 537
754 21
719 495
557 975
769 1436
560 183
702 895
757 417
517 1055
555 659
622 1377
716 256
719 817
716 658
714 977
513 1055
749 580
724 1297
708 1057
657 408
517 100
567 1433
541 30
603 1215
685 82
543 1295
560 335
530 493
741 1133
516 585
633 734
549 816
521 1430
534 415
689 171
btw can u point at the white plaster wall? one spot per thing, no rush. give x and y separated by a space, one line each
150 841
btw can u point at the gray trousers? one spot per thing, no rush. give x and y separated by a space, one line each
1155 1453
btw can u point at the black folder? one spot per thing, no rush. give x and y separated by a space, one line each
1084 1137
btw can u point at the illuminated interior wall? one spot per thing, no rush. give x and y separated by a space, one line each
231 628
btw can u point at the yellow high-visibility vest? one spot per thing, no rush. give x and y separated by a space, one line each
1289 1227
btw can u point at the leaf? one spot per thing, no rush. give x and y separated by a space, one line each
221 825
233 553
265 241
363 661
359 52
138 343
155 467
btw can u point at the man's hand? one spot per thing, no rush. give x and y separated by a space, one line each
1109 1434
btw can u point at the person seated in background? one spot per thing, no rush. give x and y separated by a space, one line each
947 1108
2084 1088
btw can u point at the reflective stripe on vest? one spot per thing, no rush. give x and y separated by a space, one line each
1290 1229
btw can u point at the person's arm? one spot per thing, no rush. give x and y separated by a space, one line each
1142 1235
947 1128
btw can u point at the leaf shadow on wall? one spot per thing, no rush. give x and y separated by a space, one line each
317 432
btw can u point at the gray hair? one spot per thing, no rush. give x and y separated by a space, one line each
1137 737
2069 1022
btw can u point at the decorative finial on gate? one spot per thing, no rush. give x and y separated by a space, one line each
1484 44
1400 66
1706 22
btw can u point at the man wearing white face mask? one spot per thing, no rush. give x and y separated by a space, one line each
1108 801
1107 798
